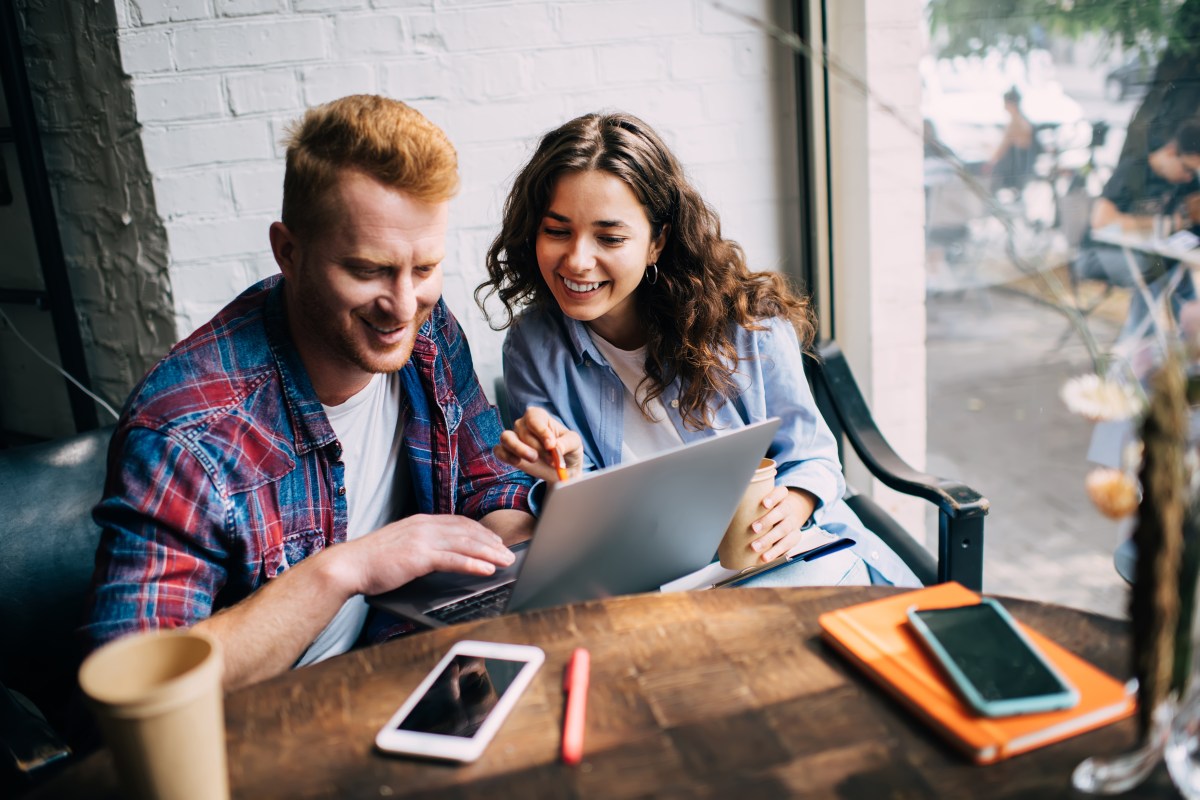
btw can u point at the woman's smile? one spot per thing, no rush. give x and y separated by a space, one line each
583 288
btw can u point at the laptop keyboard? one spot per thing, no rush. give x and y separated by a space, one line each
485 604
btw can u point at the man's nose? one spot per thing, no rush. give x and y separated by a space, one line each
400 299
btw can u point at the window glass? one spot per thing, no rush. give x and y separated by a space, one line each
1053 165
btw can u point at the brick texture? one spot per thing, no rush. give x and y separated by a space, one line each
213 84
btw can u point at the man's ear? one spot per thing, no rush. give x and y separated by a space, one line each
286 248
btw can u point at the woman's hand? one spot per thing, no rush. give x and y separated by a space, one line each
779 529
528 446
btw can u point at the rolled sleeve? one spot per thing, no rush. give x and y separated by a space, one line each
804 448
159 563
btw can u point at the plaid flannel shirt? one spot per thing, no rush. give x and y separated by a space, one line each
224 471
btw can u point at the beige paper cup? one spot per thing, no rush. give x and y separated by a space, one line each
157 697
735 551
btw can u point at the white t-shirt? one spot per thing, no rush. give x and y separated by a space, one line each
369 428
640 437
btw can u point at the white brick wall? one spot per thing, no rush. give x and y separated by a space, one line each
113 241
216 81
878 217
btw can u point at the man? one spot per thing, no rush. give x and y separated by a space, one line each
1164 182
322 438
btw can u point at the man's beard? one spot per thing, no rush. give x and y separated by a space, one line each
327 329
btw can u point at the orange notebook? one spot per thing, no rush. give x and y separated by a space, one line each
876 637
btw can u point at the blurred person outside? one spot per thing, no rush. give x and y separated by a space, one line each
1162 183
1012 162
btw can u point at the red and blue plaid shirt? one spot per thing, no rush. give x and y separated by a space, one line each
224 470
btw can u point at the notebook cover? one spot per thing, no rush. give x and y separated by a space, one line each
877 638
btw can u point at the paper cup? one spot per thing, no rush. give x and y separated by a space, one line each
735 551
158 700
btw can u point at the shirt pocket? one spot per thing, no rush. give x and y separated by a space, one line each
294 548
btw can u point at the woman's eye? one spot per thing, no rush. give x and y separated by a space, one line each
613 240
554 233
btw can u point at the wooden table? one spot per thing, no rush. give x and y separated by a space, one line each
698 694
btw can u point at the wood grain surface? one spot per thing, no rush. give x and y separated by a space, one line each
698 694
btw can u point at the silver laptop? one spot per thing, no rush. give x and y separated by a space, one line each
621 530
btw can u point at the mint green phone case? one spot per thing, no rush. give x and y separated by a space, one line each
990 661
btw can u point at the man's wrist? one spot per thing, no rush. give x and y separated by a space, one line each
337 571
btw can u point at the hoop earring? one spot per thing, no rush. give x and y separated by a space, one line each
651 274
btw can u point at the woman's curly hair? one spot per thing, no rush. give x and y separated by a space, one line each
703 282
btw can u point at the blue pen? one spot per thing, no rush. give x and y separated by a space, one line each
808 555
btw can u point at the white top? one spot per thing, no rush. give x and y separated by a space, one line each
369 429
641 437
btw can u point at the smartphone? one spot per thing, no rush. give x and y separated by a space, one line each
990 660
459 706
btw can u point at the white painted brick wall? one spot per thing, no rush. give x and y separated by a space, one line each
215 82
179 99
878 216
253 92
248 44
242 8
113 242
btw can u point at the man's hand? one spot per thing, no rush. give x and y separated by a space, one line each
779 529
401 551
1191 208
264 634
527 447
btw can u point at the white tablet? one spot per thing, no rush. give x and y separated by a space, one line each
461 703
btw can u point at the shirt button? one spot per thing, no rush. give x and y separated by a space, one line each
674 404
341 491
874 555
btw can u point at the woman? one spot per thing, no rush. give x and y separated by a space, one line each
1012 163
642 328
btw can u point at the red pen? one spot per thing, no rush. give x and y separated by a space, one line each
575 683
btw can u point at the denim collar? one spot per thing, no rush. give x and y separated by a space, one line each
311 426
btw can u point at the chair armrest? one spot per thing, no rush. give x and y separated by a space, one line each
879 522
834 379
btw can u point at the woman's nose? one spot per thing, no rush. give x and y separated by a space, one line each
579 255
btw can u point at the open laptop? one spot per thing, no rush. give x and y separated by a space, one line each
621 530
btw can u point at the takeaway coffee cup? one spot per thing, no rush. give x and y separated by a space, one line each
157 697
735 551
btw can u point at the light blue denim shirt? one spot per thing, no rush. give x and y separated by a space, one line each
550 361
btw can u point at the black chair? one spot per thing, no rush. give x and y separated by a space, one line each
960 508
47 553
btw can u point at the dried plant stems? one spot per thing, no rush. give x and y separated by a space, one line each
1189 571
1154 601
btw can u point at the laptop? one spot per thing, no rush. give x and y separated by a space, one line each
621 530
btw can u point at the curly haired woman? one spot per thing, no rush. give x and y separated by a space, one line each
635 327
